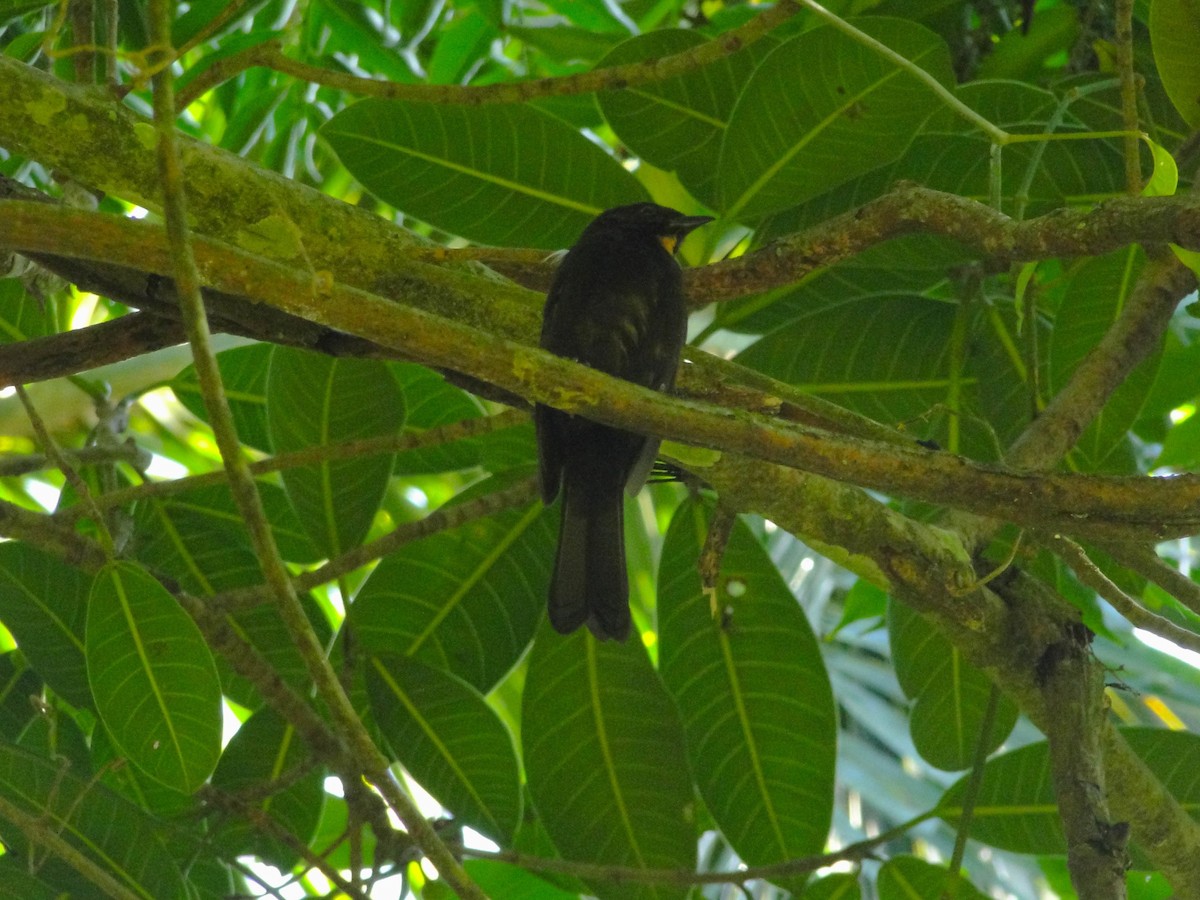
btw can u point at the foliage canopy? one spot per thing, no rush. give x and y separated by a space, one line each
940 365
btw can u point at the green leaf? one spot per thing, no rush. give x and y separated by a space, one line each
1021 55
356 29
43 602
504 175
115 835
262 628
565 43
1164 178
17 879
198 537
753 694
461 42
430 402
950 156
466 600
315 400
153 678
1096 294
266 749
1181 449
604 759
443 732
131 783
884 356
12 9
244 376
909 878
678 124
1175 35
18 683
500 879
950 696
822 109
1015 808
839 886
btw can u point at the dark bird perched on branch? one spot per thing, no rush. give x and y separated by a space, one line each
616 304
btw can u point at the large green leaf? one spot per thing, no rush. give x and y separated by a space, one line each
1015 808
266 750
753 694
506 175
43 602
679 124
1175 34
112 833
244 377
430 401
315 400
443 732
1097 292
949 695
885 356
198 538
948 155
604 759
153 678
822 109
466 600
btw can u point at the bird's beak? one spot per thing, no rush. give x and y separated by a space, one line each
685 224
680 228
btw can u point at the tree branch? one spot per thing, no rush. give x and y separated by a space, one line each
1094 506
1000 240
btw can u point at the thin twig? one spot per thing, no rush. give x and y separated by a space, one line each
1089 574
308 456
1142 559
440 520
50 447
1129 112
621 77
40 831
970 794
686 877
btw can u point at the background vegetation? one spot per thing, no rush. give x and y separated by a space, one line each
273 595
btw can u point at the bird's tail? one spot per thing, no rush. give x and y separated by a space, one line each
590 584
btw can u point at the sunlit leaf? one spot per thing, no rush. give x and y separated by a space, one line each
153 678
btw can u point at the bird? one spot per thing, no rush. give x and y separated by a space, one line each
615 304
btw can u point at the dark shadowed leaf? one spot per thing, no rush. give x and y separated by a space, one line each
530 179
314 400
604 759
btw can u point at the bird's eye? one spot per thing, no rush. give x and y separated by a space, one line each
669 242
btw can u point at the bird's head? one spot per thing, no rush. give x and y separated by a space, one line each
665 225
